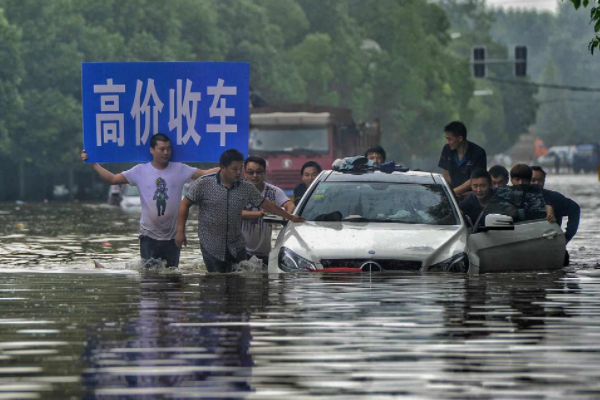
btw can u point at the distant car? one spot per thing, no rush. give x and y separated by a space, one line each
374 221
131 200
586 158
557 156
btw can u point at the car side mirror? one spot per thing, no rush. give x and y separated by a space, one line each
274 219
498 222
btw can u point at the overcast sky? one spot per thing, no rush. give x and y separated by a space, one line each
541 5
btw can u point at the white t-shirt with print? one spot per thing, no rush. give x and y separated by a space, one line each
160 195
257 233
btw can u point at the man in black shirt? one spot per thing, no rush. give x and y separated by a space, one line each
309 172
473 205
499 176
460 158
562 206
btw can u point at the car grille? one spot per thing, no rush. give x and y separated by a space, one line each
387 265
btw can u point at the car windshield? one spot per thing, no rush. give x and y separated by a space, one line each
314 140
380 202
131 191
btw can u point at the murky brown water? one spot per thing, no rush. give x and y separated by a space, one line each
69 331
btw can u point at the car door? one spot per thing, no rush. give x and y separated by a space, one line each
532 245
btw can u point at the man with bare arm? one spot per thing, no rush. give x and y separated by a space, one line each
460 158
160 183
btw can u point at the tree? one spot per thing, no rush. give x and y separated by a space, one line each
11 75
418 85
594 18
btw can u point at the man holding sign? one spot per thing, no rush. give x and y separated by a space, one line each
160 183
202 106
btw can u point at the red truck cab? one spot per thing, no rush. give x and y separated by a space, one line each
288 136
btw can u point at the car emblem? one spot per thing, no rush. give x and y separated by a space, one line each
371 266
287 163
371 251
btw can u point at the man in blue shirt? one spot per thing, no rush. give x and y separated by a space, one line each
460 158
562 206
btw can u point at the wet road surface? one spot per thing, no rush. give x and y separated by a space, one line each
69 331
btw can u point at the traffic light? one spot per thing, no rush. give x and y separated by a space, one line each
479 62
520 60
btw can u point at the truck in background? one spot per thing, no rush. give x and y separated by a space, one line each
287 136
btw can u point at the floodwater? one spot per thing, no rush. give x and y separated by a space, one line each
70 331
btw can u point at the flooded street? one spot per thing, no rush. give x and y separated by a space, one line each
71 331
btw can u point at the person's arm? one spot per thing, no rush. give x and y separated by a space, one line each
479 162
464 188
271 207
447 177
201 172
252 214
550 217
289 206
105 175
573 214
184 210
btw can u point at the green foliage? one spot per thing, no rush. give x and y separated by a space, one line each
11 73
496 120
594 19
386 59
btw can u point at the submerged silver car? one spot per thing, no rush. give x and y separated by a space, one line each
373 221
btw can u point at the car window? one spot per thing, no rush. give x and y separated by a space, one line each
380 202
521 202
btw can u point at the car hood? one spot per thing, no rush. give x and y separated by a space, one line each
319 240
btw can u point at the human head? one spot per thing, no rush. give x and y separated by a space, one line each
377 154
538 176
455 133
160 148
520 174
255 169
231 162
481 183
499 176
309 172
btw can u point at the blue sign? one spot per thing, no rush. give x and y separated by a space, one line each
203 107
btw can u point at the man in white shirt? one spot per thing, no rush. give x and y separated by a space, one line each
160 184
257 233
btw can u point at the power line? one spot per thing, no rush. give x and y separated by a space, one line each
544 85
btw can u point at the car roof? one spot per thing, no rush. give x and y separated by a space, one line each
378 176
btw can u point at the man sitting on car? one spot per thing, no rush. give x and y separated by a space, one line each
474 204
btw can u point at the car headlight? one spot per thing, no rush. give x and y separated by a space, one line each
292 262
457 263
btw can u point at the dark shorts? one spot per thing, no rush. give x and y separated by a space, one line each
215 265
163 249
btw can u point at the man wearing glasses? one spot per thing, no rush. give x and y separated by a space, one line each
257 233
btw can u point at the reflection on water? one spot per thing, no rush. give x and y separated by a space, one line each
69 331
234 336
